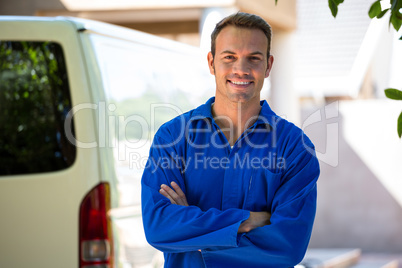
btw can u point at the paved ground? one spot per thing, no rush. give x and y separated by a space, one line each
382 256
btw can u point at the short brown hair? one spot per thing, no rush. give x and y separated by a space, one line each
242 20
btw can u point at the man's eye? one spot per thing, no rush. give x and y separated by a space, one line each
229 57
255 58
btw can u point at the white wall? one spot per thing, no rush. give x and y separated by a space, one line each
360 198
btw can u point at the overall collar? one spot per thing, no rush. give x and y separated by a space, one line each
266 116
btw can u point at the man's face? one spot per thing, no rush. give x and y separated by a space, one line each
240 64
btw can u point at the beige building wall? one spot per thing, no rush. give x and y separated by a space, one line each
27 7
170 19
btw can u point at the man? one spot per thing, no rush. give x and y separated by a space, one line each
231 184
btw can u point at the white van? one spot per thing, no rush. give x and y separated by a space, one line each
79 103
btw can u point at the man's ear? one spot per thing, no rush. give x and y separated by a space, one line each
211 63
269 67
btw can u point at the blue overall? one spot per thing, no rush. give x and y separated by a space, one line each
271 167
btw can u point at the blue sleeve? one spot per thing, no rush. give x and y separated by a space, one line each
284 242
173 228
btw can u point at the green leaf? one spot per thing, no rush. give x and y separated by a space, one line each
276 2
400 125
333 6
375 9
379 16
400 38
396 22
393 94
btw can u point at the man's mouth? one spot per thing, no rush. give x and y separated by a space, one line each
240 83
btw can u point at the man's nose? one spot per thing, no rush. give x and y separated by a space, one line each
241 67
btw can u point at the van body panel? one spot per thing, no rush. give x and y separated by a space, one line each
39 212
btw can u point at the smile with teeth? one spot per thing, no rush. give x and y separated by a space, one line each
240 83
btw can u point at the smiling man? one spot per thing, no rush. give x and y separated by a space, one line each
240 187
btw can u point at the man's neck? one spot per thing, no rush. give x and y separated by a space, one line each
234 117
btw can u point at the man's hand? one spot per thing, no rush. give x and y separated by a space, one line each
175 195
256 219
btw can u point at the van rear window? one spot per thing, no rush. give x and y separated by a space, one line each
34 103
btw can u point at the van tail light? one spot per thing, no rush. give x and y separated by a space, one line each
96 242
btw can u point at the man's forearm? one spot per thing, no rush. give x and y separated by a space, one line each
256 219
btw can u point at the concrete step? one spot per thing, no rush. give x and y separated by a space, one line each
330 258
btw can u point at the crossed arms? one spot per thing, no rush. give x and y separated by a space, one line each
177 197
